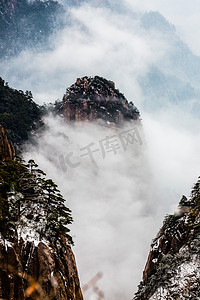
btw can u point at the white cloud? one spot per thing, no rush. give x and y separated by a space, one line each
111 204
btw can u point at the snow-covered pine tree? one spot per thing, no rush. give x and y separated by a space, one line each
31 203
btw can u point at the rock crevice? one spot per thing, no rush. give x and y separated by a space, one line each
7 151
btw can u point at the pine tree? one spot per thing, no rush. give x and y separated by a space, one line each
57 214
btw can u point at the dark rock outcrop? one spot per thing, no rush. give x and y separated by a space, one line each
7 150
38 272
93 98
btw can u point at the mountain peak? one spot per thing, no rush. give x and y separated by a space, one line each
93 98
96 88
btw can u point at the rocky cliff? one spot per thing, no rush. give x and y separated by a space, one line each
93 98
172 270
36 259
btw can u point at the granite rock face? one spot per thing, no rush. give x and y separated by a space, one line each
38 272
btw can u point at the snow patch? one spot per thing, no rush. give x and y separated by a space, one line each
188 274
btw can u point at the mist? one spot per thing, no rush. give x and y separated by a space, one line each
119 201
110 198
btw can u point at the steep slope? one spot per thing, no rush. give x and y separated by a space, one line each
93 98
36 260
172 270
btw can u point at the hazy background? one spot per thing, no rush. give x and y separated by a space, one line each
119 207
183 14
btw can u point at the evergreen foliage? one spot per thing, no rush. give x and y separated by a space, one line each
29 201
19 114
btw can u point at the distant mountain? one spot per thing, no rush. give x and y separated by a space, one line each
175 78
172 270
154 20
28 24
94 98
179 60
160 89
